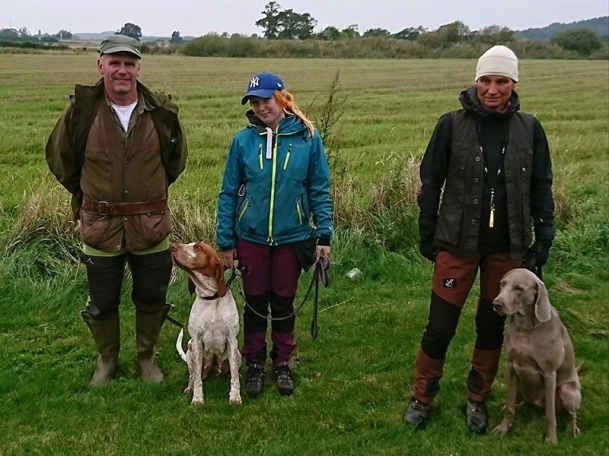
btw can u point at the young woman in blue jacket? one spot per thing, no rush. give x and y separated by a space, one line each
273 209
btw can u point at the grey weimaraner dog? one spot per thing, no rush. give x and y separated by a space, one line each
540 359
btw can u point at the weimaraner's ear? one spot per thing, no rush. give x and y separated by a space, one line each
543 312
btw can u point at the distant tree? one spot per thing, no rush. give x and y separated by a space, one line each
376 32
293 25
446 35
9 34
582 41
270 20
409 33
175 37
286 24
495 34
350 32
329 34
132 30
64 35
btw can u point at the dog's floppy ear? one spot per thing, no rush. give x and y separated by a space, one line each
219 274
543 312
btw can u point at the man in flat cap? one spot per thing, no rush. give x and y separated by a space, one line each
117 148
486 180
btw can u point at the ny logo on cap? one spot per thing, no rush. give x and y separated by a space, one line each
254 82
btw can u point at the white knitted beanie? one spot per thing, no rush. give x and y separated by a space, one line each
498 61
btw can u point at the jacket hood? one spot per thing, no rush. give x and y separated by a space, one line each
290 124
469 101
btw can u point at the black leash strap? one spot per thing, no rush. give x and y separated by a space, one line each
173 320
320 274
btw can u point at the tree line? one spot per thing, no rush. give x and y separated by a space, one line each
449 40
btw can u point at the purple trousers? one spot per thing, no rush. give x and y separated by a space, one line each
270 276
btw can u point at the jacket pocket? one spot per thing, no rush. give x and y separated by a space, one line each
94 228
243 209
299 212
150 229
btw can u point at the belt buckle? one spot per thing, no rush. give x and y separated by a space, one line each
103 207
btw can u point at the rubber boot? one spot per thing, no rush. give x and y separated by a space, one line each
147 330
106 334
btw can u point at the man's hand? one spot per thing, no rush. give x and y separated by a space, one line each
228 258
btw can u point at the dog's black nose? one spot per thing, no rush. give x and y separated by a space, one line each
497 307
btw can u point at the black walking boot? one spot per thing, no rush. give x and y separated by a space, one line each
417 413
254 380
476 415
283 376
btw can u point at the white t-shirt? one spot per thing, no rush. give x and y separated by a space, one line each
124 113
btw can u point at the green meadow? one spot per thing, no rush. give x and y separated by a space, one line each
353 381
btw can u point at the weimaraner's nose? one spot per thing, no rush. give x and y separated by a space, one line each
497 305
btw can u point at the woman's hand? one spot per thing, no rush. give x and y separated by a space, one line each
322 251
228 258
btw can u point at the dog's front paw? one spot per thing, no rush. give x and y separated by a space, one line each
196 401
551 438
235 399
501 429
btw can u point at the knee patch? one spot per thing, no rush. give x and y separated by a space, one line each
441 326
255 313
281 308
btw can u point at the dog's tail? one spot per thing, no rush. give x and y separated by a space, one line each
179 347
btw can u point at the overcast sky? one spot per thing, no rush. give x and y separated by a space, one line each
161 17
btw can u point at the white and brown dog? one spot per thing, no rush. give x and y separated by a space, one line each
540 357
213 324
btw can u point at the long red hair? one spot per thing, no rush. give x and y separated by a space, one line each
286 101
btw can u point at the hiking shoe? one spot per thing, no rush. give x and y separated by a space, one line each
417 413
476 415
254 380
283 376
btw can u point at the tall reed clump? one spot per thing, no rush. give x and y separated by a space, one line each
385 213
43 235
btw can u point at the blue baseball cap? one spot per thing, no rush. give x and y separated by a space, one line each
262 85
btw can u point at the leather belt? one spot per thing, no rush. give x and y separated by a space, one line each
123 208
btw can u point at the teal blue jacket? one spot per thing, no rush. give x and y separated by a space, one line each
276 201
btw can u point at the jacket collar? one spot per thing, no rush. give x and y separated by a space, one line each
289 125
469 101
148 99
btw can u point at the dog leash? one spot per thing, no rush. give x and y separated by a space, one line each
320 274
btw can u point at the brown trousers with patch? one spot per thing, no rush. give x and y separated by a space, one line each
453 278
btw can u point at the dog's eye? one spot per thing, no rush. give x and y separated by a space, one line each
518 288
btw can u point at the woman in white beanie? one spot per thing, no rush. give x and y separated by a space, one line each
486 178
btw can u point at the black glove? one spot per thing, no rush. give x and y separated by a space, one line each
537 255
427 228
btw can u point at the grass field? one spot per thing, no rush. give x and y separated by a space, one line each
353 382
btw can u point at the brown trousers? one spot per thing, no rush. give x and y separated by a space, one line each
453 278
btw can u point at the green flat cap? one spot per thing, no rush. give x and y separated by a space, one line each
120 43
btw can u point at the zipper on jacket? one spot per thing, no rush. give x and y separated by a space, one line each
243 209
260 156
299 211
269 239
287 157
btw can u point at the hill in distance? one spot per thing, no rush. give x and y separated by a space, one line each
598 25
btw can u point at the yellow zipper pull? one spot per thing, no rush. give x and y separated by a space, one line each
491 217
